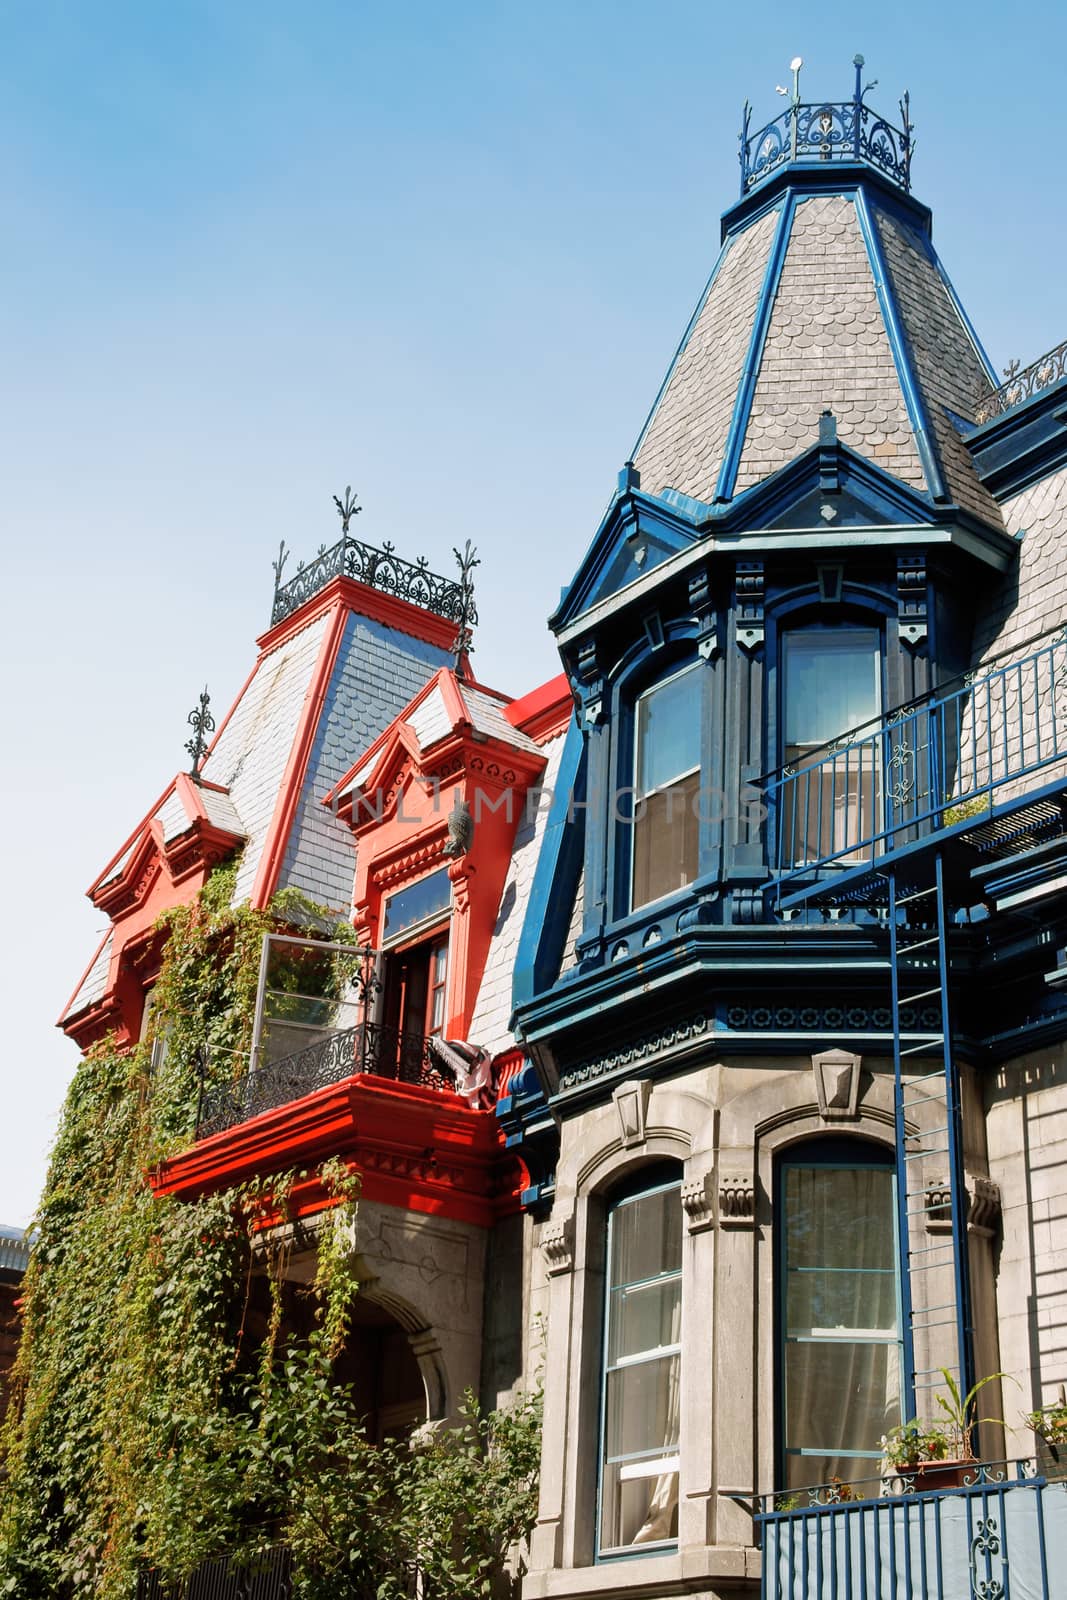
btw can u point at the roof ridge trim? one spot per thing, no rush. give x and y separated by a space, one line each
746 389
914 399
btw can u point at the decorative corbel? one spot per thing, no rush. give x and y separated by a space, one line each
591 683
748 603
703 609
557 1244
631 1106
698 1201
737 1201
911 596
983 1206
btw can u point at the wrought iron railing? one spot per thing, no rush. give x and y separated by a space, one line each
828 130
923 768
267 1576
1023 383
383 1052
1001 1532
380 569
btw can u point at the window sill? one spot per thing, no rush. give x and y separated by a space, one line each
682 1572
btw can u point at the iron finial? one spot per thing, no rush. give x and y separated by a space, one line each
347 508
203 725
466 560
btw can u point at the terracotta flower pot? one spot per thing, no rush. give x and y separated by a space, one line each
942 1474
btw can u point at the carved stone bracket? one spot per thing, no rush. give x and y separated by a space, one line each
911 596
837 1084
698 1201
737 1201
631 1106
557 1244
984 1206
748 604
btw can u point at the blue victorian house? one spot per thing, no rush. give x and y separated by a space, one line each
791 979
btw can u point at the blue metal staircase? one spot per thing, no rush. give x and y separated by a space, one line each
903 818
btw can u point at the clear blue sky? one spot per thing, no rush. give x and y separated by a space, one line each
443 252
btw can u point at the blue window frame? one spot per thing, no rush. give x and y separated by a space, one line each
839 1344
640 1389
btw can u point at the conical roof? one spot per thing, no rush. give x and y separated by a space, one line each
828 295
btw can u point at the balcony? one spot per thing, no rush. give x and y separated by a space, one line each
369 1047
994 745
1002 1535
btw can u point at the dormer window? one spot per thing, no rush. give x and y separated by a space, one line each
666 787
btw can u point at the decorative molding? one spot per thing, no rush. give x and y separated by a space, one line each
700 600
649 1044
748 604
837 1084
911 596
557 1244
591 683
984 1206
698 1201
737 1201
802 1018
631 1105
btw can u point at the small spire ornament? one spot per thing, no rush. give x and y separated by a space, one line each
203 725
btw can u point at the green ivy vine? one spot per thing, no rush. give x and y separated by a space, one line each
147 1426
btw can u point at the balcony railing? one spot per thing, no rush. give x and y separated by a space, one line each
264 1577
1001 1535
380 569
1022 384
827 130
371 1048
924 767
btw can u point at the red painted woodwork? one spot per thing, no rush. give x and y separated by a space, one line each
418 1149
352 595
399 813
545 711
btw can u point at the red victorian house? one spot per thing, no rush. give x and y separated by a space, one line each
360 766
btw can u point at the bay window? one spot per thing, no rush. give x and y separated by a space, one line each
665 829
839 1318
640 1411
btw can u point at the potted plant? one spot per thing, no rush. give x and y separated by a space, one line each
1050 1425
938 1454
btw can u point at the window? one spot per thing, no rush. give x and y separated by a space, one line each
839 1317
640 1409
666 787
832 683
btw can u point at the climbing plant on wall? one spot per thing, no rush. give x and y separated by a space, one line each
147 1426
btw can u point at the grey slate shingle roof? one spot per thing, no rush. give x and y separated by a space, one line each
827 345
94 983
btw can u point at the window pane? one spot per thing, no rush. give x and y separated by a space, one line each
413 905
668 731
839 1396
638 1510
831 681
644 1318
642 1407
840 1356
646 1237
666 841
